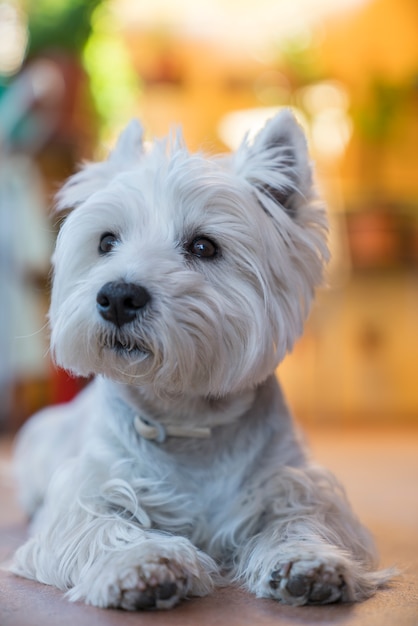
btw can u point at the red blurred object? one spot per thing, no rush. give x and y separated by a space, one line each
65 387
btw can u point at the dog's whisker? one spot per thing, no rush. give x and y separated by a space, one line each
40 331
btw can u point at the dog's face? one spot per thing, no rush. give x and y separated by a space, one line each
189 274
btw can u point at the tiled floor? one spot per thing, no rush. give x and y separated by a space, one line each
380 471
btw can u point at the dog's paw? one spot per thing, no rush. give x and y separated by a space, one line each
150 575
159 584
309 581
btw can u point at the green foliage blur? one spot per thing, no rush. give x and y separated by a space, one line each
59 24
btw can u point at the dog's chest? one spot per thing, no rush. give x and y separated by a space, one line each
207 496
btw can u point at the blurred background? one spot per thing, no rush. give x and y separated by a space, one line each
73 72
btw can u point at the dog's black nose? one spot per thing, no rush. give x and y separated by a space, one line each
119 302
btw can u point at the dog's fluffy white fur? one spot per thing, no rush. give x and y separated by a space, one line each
228 251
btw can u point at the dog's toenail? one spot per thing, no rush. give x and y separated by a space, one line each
320 593
298 586
146 600
166 591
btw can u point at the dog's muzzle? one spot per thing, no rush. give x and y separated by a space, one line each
119 302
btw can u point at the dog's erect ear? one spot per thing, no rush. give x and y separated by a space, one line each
94 176
129 146
277 164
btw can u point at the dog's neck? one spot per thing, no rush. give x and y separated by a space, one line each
157 417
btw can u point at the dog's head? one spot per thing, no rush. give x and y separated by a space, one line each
187 273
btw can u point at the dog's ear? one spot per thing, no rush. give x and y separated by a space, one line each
129 146
94 176
277 165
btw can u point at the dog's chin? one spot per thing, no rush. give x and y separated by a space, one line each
127 365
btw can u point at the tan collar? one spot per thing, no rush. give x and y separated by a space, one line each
154 431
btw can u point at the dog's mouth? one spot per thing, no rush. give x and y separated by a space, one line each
129 351
125 348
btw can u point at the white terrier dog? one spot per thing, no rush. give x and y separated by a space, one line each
181 282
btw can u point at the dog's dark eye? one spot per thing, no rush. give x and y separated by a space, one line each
203 248
107 243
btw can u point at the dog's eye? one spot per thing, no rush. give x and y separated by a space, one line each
107 243
203 248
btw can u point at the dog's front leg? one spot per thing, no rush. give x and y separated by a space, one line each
141 570
311 548
106 560
109 563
